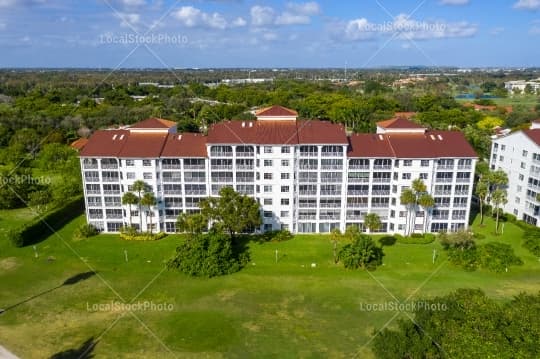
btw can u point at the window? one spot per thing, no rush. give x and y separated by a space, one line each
285 176
407 163
503 147
267 149
147 175
268 176
521 177
523 165
267 163
267 201
284 214
285 149
402 214
501 158
267 214
267 189
518 200
268 227
130 175
130 163
284 189
406 176
284 201
147 163
524 153
285 163
519 188
423 176
424 163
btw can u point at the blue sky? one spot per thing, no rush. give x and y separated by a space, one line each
269 33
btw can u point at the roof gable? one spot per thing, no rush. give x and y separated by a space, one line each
276 111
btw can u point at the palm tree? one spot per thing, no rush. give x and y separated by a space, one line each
335 237
498 198
149 201
372 221
482 191
139 187
408 199
427 202
129 199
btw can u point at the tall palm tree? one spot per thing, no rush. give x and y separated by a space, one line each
408 199
498 198
129 199
149 201
427 202
482 191
140 187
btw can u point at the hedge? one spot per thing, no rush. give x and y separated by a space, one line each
142 236
416 238
43 226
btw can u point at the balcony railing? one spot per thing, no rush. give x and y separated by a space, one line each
172 179
445 167
380 205
222 180
94 204
308 193
112 192
358 180
332 167
247 192
443 193
444 180
221 154
336 217
381 193
307 180
460 205
95 216
359 167
221 167
113 204
171 216
114 216
109 166
194 167
382 180
91 179
444 204
382 167
330 193
307 205
245 167
331 154
440 218
464 167
358 193
91 191
90 166
331 180
463 180
330 205
171 166
307 217
308 167
357 205
173 192
194 179
245 154
308 154
462 193
196 192
111 179
458 217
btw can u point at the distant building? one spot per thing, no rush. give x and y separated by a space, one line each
520 85
307 175
518 154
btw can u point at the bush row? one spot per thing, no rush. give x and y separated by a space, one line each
43 226
130 234
416 238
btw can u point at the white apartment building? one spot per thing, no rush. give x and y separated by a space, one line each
520 85
308 176
518 154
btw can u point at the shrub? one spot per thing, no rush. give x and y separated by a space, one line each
85 231
41 227
477 235
361 253
130 234
466 258
497 256
417 238
208 255
531 240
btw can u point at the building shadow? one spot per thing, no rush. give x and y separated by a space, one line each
70 281
85 351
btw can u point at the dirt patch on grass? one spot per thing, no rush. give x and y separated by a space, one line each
9 264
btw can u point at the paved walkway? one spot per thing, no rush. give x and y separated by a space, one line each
5 354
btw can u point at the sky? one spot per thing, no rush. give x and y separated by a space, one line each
269 33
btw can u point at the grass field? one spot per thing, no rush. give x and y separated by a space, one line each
287 309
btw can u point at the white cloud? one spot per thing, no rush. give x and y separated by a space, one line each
288 18
454 2
133 3
527 4
13 3
239 22
190 16
408 29
308 8
262 15
129 19
270 36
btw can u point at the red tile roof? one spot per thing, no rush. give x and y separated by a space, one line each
276 111
154 123
79 143
533 135
432 144
399 122
105 143
185 145
277 132
139 145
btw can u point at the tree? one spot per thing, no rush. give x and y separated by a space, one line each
191 223
149 201
129 199
427 202
372 221
234 212
499 198
408 199
336 236
482 191
362 253
139 187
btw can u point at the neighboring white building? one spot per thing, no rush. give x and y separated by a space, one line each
518 154
520 85
308 176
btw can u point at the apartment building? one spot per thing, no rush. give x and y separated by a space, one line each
309 176
518 154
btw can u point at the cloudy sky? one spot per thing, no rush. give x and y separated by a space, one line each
268 33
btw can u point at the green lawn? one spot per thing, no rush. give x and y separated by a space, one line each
13 218
287 309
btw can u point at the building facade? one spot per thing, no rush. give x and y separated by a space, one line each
518 155
308 176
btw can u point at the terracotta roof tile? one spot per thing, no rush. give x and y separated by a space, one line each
185 145
154 123
399 122
276 111
533 135
79 143
105 143
369 145
141 145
